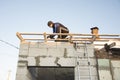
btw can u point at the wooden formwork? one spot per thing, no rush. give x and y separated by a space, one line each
72 37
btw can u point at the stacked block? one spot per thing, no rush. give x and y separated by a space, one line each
54 54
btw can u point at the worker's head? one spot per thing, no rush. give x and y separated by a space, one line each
50 24
94 30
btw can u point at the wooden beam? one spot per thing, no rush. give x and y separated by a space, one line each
71 37
45 37
20 37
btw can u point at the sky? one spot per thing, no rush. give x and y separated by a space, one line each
32 16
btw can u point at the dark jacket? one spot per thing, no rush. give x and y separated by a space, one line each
57 28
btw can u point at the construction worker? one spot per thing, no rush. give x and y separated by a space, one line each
94 31
58 28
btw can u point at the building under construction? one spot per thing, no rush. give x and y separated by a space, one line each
78 57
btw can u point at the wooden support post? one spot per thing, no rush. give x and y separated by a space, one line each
20 37
45 37
70 38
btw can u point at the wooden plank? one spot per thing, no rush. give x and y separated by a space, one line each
19 36
71 36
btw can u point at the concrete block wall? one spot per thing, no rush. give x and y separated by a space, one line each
115 69
104 69
51 54
109 69
55 54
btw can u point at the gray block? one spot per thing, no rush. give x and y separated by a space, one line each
33 52
43 45
47 61
31 61
67 62
59 52
34 45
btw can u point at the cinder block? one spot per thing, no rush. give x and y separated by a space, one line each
103 63
85 45
33 52
22 70
104 69
116 73
22 63
105 75
68 62
64 45
115 69
24 45
47 45
115 63
23 74
70 53
47 61
23 52
51 45
31 61
34 44
22 58
24 77
59 52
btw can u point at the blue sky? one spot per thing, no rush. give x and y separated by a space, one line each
32 16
